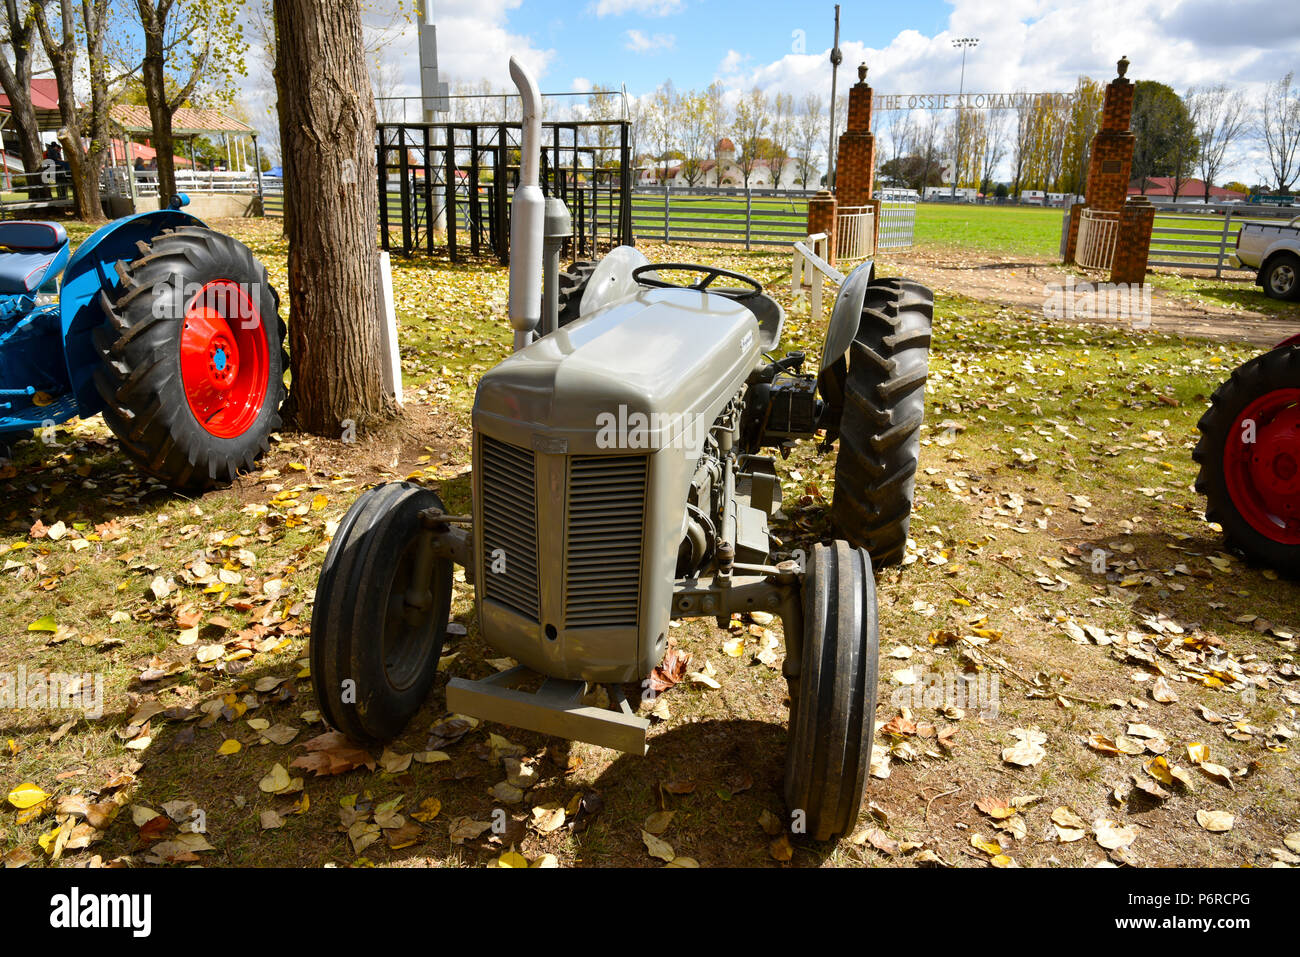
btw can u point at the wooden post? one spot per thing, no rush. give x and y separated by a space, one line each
749 215
667 206
1223 242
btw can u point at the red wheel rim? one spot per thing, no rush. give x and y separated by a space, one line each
225 363
1263 475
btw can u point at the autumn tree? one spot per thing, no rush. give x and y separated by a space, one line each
1022 144
693 124
1278 120
85 162
186 42
604 105
992 146
20 41
661 124
719 116
1085 121
809 129
1219 117
781 134
750 125
327 123
1165 137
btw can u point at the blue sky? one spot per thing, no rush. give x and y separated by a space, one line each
691 45
1033 45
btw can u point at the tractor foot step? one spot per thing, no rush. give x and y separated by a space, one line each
555 708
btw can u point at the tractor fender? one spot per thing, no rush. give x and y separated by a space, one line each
91 270
612 279
1291 341
847 313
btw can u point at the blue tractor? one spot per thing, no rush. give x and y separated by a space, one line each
168 328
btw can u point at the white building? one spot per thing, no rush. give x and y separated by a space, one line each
965 194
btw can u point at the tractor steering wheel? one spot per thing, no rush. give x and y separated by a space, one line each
710 273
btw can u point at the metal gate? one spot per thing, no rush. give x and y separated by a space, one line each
1098 230
897 219
855 233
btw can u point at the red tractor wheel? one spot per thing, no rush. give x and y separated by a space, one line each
193 359
1249 455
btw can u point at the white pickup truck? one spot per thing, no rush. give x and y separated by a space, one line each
1274 250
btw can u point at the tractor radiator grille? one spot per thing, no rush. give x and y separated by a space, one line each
603 548
510 524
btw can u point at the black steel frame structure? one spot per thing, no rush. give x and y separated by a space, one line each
460 176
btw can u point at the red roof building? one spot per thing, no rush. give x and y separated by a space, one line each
1190 190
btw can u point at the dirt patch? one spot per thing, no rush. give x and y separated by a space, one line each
1021 282
423 438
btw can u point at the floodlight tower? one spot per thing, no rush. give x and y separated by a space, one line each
965 43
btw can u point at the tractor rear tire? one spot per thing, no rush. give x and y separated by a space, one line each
833 717
1249 453
572 284
373 655
880 428
192 371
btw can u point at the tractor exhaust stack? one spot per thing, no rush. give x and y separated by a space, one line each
527 214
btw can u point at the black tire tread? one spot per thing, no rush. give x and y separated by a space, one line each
1276 369
572 284
833 722
343 627
883 409
139 375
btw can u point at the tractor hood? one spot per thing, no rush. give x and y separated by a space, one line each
641 371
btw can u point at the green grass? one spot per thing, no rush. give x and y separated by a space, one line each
1041 410
1017 230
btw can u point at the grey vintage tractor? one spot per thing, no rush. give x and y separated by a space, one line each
619 482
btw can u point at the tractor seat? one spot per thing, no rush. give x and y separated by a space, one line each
34 253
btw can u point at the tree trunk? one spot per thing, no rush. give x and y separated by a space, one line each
327 122
16 80
94 19
160 114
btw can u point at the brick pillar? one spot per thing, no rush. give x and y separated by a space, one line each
822 219
1111 164
855 169
1072 235
1133 242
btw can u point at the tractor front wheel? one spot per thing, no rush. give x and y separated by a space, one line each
381 615
1249 453
192 371
832 718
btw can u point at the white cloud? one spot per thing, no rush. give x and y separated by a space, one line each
639 42
646 8
580 84
1043 46
732 62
